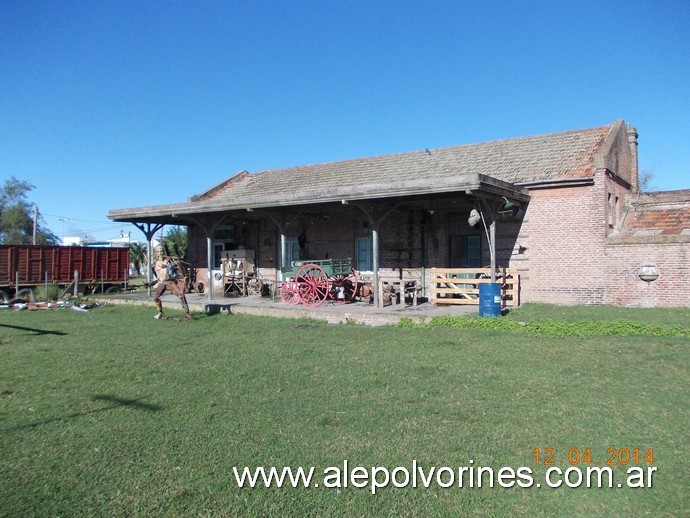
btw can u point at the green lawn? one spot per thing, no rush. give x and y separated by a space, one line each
112 412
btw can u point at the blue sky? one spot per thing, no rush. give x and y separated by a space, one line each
108 105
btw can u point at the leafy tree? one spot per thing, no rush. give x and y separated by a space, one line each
137 254
175 241
16 216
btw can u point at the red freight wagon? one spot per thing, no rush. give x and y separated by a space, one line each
25 267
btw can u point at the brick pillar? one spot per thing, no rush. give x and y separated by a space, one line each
632 139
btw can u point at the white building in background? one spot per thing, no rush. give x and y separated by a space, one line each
72 241
125 239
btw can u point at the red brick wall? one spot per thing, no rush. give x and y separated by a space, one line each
561 246
569 258
196 246
564 233
624 286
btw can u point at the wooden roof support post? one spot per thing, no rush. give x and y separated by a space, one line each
375 265
209 231
209 253
492 234
209 263
149 231
492 210
375 222
283 244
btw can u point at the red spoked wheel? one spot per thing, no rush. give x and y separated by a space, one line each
312 285
289 293
344 287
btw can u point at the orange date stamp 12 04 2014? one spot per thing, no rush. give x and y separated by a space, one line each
612 457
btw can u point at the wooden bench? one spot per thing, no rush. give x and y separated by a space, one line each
398 286
396 292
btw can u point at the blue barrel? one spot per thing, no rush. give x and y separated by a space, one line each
490 299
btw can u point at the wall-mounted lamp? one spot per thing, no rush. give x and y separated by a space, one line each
474 218
508 204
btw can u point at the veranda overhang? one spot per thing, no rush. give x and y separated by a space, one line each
236 195
475 185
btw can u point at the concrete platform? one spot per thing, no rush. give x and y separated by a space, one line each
335 313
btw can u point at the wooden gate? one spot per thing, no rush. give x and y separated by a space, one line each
461 285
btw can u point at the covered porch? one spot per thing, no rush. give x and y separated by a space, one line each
390 232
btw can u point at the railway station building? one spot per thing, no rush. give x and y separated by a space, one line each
563 212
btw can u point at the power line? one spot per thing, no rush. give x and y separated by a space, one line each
74 219
100 229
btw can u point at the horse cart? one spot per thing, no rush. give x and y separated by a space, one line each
312 282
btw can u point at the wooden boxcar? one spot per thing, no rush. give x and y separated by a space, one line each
23 268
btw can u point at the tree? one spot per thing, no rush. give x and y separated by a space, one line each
645 181
17 216
137 254
175 241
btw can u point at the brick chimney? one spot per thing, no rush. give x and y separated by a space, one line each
632 140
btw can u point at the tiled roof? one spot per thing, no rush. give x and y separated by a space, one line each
662 213
497 164
527 159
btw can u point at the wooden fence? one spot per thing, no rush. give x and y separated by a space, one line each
461 285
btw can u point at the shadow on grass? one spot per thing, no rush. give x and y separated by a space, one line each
134 403
38 332
114 403
216 309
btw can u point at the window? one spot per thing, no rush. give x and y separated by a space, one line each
365 254
613 206
220 246
223 239
464 243
473 251
464 251
292 250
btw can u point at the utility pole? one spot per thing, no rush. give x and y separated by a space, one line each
63 229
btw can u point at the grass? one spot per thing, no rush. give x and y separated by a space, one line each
111 412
